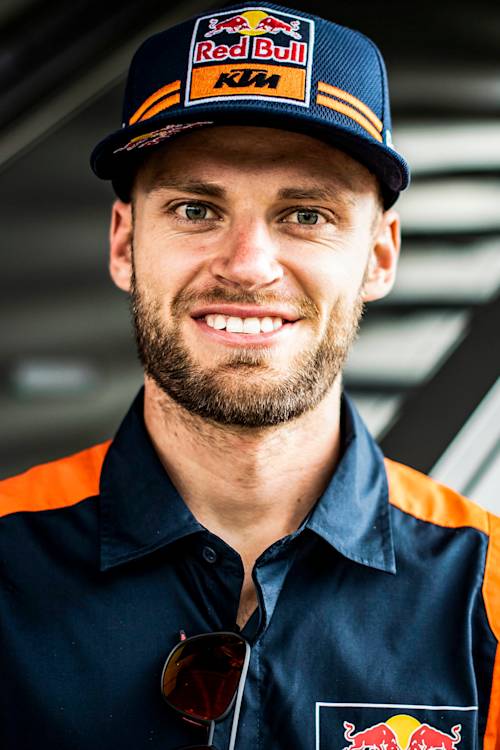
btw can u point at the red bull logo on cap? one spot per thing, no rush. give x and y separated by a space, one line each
251 54
254 23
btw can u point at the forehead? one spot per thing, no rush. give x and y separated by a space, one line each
241 150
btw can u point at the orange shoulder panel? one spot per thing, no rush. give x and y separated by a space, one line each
427 500
491 592
56 484
423 498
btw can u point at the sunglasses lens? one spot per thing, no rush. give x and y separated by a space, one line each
202 674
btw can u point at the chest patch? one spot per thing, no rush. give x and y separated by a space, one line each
370 726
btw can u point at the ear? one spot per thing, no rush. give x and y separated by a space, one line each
120 244
382 263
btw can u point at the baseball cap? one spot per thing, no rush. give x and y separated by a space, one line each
258 65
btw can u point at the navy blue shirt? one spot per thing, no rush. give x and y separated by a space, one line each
378 620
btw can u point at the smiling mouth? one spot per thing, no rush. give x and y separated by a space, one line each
246 326
238 331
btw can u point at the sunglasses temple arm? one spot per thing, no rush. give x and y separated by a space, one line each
239 698
211 733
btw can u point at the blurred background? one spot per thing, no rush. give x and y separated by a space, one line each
424 372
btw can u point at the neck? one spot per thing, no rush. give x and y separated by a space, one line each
251 487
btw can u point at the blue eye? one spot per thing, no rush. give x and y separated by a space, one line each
195 211
307 217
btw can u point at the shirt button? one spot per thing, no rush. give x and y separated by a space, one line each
209 554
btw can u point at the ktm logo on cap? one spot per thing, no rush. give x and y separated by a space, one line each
242 77
271 57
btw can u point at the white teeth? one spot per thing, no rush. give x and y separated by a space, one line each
234 324
251 325
266 325
219 322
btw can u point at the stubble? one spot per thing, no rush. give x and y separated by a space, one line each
243 389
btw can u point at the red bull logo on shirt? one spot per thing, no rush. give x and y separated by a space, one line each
401 732
377 726
378 736
434 738
250 54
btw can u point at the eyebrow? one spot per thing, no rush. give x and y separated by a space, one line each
187 186
316 193
197 187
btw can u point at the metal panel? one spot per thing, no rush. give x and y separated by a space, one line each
471 463
434 414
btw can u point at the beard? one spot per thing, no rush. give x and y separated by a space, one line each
243 390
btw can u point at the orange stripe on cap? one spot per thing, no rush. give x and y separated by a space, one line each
164 104
326 88
491 594
168 89
345 109
427 500
57 484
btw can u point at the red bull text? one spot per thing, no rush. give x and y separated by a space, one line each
261 49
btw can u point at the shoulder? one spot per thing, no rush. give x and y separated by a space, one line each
56 484
425 499
428 500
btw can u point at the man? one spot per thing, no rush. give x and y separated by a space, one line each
243 495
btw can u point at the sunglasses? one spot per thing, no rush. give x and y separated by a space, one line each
204 677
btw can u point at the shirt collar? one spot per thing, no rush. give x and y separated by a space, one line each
353 515
141 510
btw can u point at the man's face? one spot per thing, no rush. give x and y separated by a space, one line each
251 228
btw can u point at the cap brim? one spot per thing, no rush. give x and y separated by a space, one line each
118 155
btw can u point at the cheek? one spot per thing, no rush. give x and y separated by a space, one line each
330 276
164 263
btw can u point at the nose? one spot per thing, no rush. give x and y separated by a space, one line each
247 257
